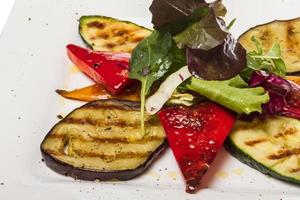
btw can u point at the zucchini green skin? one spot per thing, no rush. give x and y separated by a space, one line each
81 21
248 160
85 19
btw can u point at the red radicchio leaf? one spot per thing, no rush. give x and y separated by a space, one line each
284 95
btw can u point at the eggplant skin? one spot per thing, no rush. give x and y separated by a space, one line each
82 174
294 73
124 107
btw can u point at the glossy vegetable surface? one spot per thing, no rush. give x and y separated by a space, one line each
107 68
195 135
233 94
101 141
219 63
284 95
97 92
270 146
284 32
103 33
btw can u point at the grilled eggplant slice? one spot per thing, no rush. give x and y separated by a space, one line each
271 146
101 141
284 32
108 34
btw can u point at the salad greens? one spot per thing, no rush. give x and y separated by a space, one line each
258 60
150 61
219 8
284 95
220 63
155 102
186 99
205 34
213 57
233 94
176 13
231 23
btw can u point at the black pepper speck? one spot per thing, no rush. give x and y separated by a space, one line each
59 116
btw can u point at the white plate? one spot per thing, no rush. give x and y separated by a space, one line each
33 64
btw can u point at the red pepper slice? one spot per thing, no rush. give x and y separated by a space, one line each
195 135
107 68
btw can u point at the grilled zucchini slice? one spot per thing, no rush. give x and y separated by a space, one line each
108 34
271 146
285 32
101 141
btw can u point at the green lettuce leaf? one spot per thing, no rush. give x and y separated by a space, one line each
233 94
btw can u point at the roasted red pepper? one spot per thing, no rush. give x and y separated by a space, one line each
195 135
107 68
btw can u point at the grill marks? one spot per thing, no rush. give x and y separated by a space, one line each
105 131
106 157
115 140
71 146
295 170
99 123
289 131
109 34
273 142
102 123
96 24
286 132
121 155
284 153
254 142
286 33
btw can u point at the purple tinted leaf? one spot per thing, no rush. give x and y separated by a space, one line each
276 103
294 95
266 80
284 95
220 63
205 34
169 11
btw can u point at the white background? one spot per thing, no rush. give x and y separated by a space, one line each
5 8
34 64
